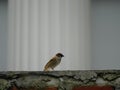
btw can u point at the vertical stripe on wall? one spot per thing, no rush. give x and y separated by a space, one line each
38 29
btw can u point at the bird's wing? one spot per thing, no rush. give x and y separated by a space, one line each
50 63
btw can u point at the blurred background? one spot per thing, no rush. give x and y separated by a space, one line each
87 32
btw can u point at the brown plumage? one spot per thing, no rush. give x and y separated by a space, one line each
52 63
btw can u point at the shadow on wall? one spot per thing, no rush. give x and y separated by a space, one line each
3 34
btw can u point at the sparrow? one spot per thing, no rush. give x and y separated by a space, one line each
52 63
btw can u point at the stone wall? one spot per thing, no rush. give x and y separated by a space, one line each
60 80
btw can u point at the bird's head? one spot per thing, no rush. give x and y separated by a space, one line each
59 55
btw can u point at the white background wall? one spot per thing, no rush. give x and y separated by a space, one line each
41 28
105 37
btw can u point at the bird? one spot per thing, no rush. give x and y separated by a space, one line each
53 62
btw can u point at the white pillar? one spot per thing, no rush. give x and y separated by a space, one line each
38 29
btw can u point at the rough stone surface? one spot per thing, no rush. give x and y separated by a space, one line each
63 80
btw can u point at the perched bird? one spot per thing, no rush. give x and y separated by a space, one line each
52 63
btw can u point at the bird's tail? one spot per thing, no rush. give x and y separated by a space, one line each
46 69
